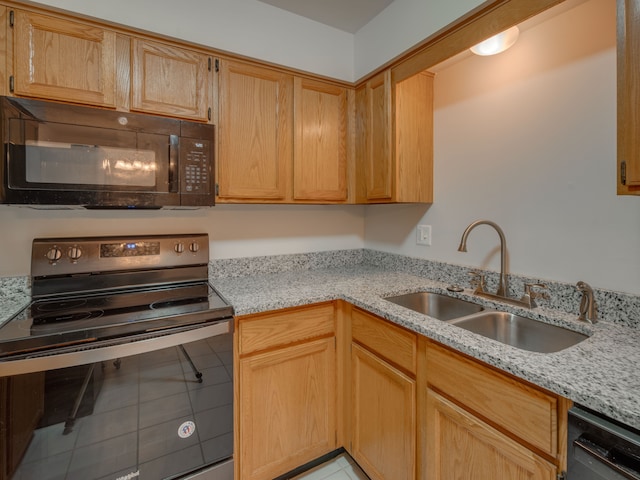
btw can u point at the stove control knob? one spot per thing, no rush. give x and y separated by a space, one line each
54 254
74 253
194 247
179 247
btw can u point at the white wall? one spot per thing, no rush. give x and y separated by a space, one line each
234 230
401 25
528 139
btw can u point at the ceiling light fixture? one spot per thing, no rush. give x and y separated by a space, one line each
498 43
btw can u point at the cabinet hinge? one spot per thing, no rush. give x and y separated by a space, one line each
562 476
217 189
623 172
11 18
12 82
209 113
217 65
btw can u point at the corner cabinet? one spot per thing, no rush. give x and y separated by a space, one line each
482 423
394 139
628 97
63 60
286 402
383 393
170 80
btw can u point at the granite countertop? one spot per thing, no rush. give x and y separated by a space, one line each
599 372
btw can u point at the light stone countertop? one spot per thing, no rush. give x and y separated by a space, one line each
600 372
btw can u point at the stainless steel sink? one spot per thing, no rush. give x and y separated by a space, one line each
435 305
520 332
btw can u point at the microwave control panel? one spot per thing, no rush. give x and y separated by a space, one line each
196 165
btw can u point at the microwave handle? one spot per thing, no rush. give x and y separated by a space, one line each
173 163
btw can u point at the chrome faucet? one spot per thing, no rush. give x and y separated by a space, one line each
588 308
503 287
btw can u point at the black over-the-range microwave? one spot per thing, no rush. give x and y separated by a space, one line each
64 155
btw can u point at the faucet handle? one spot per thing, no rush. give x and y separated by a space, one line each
530 294
477 281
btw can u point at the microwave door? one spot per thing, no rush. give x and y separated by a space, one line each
93 166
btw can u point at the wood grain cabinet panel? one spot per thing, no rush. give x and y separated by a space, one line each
288 409
628 97
383 419
394 144
388 341
286 390
63 60
461 446
320 141
255 133
524 411
169 80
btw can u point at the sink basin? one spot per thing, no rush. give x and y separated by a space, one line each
435 305
520 332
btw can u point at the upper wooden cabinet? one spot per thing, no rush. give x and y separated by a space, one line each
320 143
63 60
254 133
282 139
628 97
170 80
394 146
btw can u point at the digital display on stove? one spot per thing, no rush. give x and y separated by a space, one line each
129 249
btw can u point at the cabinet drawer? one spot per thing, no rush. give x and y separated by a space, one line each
391 342
273 329
520 409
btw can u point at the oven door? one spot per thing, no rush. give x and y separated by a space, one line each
158 408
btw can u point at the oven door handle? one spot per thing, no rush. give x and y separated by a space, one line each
587 453
174 152
112 349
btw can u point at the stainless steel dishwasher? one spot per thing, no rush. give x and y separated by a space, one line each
600 448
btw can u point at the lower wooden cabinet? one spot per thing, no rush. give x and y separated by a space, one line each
383 422
383 398
286 381
461 446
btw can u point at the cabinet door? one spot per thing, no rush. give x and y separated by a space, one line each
287 408
628 97
383 419
462 447
169 80
63 60
255 133
378 164
320 142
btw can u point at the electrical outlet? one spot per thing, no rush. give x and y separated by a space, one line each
423 235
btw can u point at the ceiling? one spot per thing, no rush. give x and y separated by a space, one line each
346 15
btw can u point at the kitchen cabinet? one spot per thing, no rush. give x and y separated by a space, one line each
481 420
24 397
254 133
394 146
321 119
170 80
282 138
286 407
461 445
383 406
628 97
64 60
